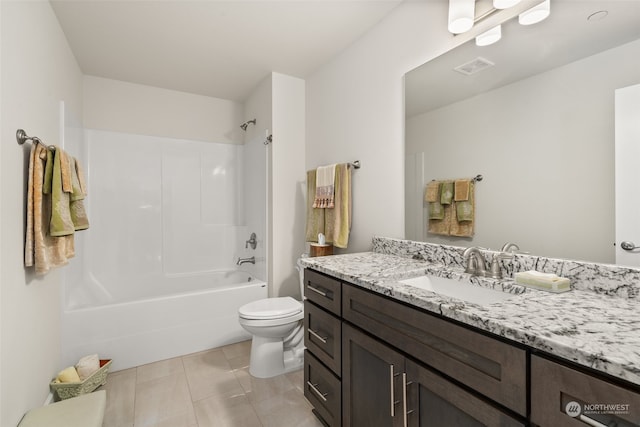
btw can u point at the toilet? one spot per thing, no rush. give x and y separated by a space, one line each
276 324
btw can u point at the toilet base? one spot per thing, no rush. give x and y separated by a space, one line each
269 358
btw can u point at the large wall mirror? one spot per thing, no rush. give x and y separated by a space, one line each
538 125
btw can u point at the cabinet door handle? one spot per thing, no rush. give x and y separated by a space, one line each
404 399
315 334
590 421
393 398
316 290
316 391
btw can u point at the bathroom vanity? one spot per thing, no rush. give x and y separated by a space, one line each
383 353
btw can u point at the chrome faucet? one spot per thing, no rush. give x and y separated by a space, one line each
241 261
252 241
510 247
475 262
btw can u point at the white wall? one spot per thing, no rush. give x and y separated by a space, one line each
355 111
145 110
38 70
288 182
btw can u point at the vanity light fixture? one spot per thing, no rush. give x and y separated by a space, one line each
489 37
535 14
504 4
461 15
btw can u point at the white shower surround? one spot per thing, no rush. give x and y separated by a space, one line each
157 275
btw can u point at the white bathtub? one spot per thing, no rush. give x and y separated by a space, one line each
185 315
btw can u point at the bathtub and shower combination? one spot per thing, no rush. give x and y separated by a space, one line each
156 275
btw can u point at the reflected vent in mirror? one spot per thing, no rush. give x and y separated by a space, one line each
474 66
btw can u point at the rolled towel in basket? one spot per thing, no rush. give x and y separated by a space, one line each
87 366
68 375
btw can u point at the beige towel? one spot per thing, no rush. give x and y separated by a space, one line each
68 375
462 188
315 217
338 219
432 192
65 171
87 365
41 249
325 186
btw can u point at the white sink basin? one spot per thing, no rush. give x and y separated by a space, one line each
456 289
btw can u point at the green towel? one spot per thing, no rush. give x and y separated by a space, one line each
446 193
436 210
76 205
338 219
61 223
464 211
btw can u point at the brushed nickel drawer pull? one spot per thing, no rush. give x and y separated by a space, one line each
404 399
316 391
316 290
315 334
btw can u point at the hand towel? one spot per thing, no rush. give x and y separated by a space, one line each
87 365
65 171
325 186
42 251
446 193
432 192
68 375
462 187
315 217
61 223
462 224
76 204
441 226
338 219
436 210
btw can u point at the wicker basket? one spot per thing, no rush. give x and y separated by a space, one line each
95 380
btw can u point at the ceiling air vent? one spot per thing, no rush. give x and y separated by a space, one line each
474 66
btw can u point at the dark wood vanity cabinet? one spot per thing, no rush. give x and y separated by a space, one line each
323 342
563 396
372 361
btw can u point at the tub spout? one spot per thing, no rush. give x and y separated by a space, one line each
241 261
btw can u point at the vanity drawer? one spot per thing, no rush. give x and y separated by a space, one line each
489 366
322 389
555 387
322 290
322 336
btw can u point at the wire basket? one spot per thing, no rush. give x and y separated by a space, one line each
92 382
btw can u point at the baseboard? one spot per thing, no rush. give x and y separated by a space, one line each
49 399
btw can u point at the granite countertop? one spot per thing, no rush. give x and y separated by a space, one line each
598 331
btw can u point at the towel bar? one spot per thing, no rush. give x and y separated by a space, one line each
22 137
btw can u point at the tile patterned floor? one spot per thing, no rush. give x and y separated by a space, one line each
208 389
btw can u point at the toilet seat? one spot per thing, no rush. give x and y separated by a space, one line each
271 308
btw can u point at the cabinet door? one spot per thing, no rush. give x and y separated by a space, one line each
371 381
564 396
435 402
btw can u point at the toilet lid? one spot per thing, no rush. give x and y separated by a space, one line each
270 308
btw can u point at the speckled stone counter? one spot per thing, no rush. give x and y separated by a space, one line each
600 330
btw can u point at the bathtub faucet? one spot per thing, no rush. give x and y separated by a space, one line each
241 261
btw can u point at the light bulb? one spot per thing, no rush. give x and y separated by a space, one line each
535 14
461 15
489 37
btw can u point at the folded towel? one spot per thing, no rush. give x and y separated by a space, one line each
436 210
315 217
325 185
65 171
338 219
462 224
432 192
68 375
43 251
61 222
76 205
462 187
545 281
446 192
87 365
441 226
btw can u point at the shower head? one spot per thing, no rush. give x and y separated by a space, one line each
246 124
